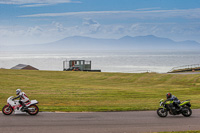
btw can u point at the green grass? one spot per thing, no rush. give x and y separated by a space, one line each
89 91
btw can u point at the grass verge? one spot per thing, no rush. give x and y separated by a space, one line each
90 91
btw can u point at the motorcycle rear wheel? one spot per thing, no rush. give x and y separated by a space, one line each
36 110
187 112
7 110
162 113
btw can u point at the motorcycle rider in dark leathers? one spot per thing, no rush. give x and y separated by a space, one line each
175 100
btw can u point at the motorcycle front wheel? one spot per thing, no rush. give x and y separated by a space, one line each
35 108
162 113
186 112
7 110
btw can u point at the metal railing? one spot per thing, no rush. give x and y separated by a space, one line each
185 67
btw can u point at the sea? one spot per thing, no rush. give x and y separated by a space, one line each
106 61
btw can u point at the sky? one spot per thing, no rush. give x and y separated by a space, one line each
41 21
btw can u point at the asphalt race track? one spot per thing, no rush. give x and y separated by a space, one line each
100 122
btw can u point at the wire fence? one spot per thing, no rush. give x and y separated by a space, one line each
185 67
137 71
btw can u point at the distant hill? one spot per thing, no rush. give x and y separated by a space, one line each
148 42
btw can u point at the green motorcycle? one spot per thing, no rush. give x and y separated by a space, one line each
167 106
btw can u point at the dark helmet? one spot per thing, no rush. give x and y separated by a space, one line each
168 95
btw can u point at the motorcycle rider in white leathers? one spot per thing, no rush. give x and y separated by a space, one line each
23 98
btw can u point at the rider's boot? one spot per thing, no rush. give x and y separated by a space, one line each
178 108
24 107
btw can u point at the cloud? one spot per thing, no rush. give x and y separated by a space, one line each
36 3
89 21
143 9
75 13
20 35
59 27
35 31
54 31
142 14
92 26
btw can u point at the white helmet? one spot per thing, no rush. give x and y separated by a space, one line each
18 91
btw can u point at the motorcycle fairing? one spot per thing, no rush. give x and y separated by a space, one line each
184 102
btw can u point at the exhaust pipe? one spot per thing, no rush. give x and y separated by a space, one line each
31 109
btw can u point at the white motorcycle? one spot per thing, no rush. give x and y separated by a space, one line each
14 105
